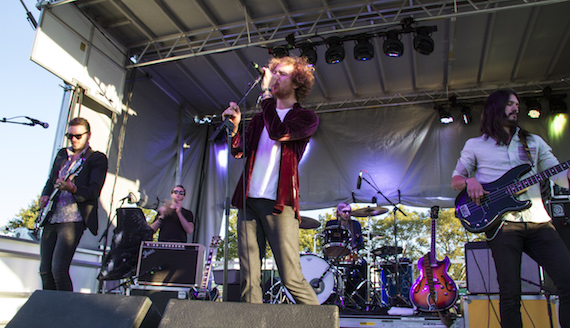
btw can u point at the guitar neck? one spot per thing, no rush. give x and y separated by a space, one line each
434 214
537 178
206 275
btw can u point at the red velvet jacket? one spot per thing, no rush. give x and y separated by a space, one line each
294 133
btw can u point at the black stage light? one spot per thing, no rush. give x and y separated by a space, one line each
393 47
466 114
335 51
534 108
444 114
363 50
557 105
279 51
308 50
423 43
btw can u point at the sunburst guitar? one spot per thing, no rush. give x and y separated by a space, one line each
434 290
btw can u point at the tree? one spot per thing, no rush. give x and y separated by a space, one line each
26 217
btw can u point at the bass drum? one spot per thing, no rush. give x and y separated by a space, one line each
313 267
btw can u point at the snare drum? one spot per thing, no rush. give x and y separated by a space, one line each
313 268
337 241
350 259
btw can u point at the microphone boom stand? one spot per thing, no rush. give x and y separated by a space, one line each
227 126
396 263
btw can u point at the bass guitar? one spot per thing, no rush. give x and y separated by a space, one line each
203 293
434 290
501 198
47 211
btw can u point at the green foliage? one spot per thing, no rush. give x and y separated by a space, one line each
26 217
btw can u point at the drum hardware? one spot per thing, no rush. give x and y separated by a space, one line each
386 251
380 210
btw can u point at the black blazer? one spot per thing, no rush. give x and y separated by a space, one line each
89 183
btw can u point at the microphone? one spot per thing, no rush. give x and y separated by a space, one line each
359 183
34 122
258 68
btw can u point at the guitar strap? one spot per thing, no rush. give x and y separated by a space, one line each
526 149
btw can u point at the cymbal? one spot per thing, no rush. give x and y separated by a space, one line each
308 223
372 234
368 211
386 251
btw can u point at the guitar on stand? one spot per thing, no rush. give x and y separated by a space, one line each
434 290
203 293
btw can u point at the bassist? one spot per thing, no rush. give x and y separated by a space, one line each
72 205
503 146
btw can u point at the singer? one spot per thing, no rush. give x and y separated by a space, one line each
174 221
275 141
74 205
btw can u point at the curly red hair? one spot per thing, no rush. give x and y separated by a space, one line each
302 74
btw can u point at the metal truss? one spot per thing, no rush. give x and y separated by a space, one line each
348 17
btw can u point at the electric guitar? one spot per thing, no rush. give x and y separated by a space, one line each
47 210
434 290
501 198
203 293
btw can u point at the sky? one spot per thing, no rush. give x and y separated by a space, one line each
26 89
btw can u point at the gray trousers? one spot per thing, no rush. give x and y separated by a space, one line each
256 225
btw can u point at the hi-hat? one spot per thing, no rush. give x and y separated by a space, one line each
368 211
372 234
308 223
387 251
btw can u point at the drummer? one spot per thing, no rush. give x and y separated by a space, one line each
343 218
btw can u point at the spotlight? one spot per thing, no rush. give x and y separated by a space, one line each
423 43
534 108
393 47
308 51
557 105
335 51
466 114
363 50
279 51
444 115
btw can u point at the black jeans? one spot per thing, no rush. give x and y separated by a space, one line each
542 243
57 246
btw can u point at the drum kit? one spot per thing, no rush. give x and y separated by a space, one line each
341 276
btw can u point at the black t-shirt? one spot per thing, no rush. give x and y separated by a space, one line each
171 229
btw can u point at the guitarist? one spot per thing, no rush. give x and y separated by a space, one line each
502 146
74 206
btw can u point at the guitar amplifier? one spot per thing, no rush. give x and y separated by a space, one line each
482 276
170 264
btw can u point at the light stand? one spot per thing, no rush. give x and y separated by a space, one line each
227 126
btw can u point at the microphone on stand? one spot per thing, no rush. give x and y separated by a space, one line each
258 68
34 122
359 183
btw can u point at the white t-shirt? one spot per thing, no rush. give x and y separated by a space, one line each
265 174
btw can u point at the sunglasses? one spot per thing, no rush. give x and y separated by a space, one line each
345 211
76 136
179 192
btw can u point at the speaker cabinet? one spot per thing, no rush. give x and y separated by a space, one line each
170 264
49 308
202 314
559 211
482 276
483 311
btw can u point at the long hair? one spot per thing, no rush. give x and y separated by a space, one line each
302 74
494 116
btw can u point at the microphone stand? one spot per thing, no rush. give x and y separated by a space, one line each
227 126
8 120
396 263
